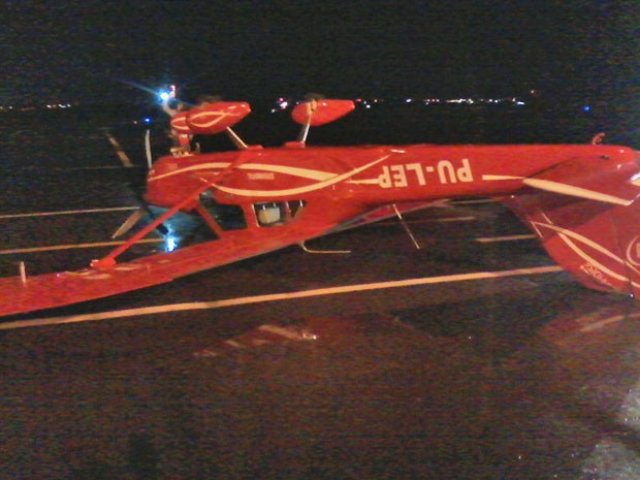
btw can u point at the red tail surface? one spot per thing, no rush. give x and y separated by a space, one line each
597 242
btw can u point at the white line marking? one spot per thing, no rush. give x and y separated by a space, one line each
97 167
427 220
473 202
445 220
70 169
66 212
608 321
603 323
52 248
507 238
276 297
283 332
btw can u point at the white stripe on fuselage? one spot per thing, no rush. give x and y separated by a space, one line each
294 171
573 191
497 178
299 190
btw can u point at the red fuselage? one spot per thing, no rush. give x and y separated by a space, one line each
370 175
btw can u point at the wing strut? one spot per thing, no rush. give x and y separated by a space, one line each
110 260
406 227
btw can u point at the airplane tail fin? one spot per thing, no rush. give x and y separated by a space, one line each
597 242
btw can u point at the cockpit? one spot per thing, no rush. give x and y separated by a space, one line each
221 217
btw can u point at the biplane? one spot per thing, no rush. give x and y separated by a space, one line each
580 201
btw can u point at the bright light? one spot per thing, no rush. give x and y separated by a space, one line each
164 96
170 243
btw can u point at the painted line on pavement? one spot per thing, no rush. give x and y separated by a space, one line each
276 297
66 212
68 169
608 321
72 246
426 220
473 202
508 238
95 167
444 220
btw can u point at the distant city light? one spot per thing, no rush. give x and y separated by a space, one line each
53 106
586 108
283 103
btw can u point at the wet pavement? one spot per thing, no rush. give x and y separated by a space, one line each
526 376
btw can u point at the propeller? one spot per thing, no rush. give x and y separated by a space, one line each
142 213
129 223
137 187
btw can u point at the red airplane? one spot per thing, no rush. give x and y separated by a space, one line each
580 200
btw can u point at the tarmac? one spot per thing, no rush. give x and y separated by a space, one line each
473 357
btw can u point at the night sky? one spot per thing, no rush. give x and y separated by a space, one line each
84 50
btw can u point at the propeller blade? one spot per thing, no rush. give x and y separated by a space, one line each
130 222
